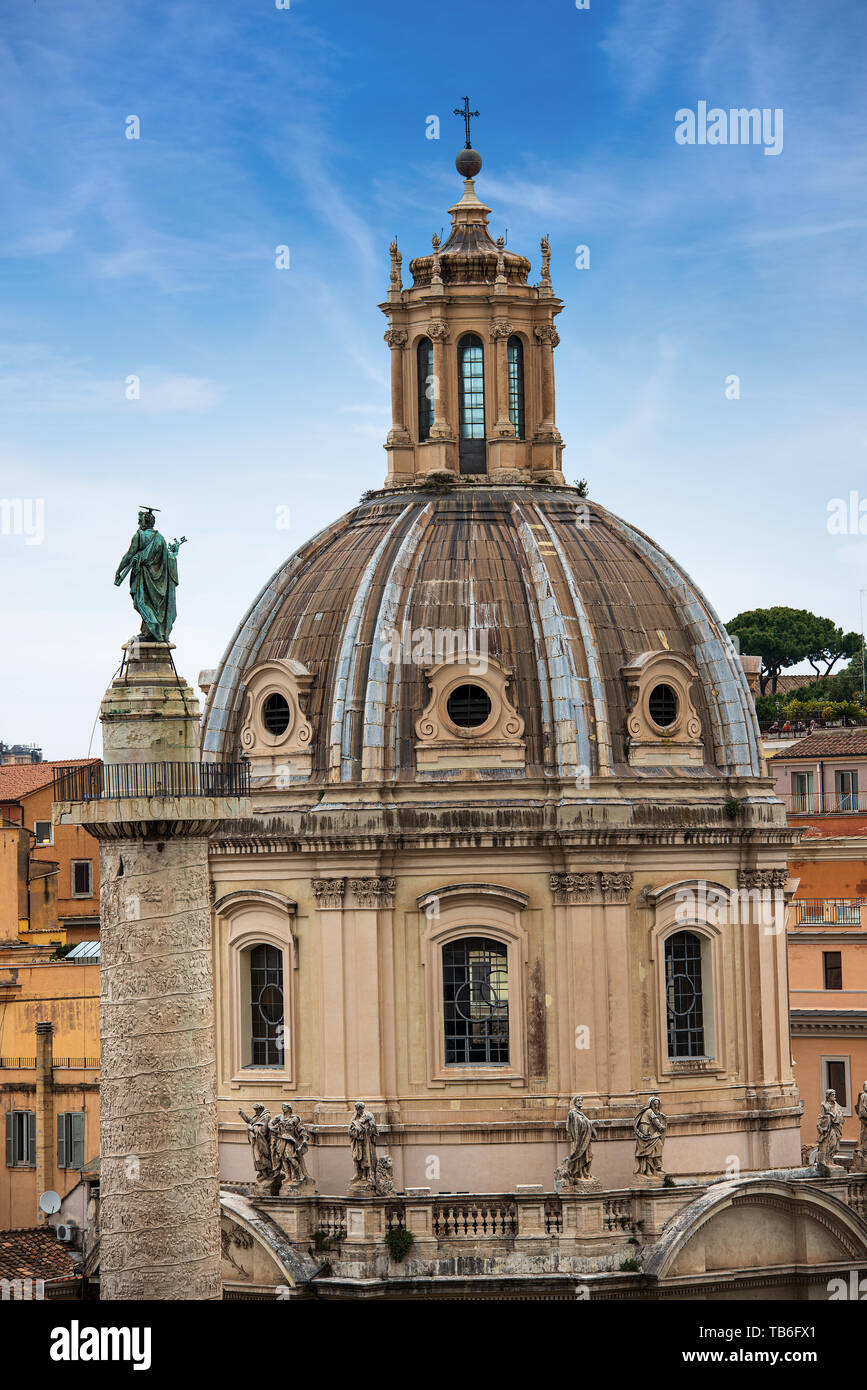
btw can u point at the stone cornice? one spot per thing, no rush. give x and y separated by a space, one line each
824 1021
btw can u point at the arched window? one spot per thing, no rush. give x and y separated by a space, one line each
476 1001
516 385
684 995
267 1042
424 361
471 403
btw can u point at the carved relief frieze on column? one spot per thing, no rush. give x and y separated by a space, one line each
615 887
438 333
373 892
569 889
396 339
329 892
501 332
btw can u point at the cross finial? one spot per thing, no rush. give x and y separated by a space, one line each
468 116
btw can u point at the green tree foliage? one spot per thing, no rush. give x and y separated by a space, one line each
784 636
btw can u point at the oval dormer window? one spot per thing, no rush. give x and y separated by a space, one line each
276 714
662 705
468 706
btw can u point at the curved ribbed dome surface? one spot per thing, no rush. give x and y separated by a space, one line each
566 604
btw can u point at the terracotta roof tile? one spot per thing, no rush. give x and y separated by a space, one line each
34 1253
20 779
787 683
829 743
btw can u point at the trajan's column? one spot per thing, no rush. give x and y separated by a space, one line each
152 806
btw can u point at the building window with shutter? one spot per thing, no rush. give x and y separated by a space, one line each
82 878
20 1139
835 1077
832 963
70 1139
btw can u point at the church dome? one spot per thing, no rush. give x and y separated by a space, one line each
576 608
478 619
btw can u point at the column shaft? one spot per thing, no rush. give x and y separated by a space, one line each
159 1185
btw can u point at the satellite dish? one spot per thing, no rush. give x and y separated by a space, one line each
49 1202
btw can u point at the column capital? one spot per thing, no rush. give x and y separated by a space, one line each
329 892
572 888
615 887
395 337
547 333
373 892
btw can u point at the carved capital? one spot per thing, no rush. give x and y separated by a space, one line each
437 331
329 891
373 892
763 878
501 328
395 337
572 888
615 887
547 333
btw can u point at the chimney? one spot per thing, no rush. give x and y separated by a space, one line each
45 1176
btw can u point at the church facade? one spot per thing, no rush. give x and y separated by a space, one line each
512 837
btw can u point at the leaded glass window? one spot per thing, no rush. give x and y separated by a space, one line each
424 360
684 995
476 1001
516 385
266 999
471 378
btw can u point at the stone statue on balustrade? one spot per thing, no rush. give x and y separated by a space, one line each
859 1160
650 1126
372 1176
259 1134
574 1175
289 1144
829 1132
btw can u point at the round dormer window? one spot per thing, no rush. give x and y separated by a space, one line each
662 705
468 706
276 714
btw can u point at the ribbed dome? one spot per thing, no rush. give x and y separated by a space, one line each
566 606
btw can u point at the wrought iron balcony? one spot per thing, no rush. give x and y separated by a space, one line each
825 803
125 781
828 912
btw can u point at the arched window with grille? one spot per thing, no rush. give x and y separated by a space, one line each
515 355
471 403
476 1001
685 995
267 1042
426 384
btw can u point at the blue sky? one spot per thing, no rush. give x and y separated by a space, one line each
264 389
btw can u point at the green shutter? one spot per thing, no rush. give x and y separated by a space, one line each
10 1138
61 1141
30 1160
76 1139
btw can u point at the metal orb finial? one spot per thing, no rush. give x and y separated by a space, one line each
468 163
